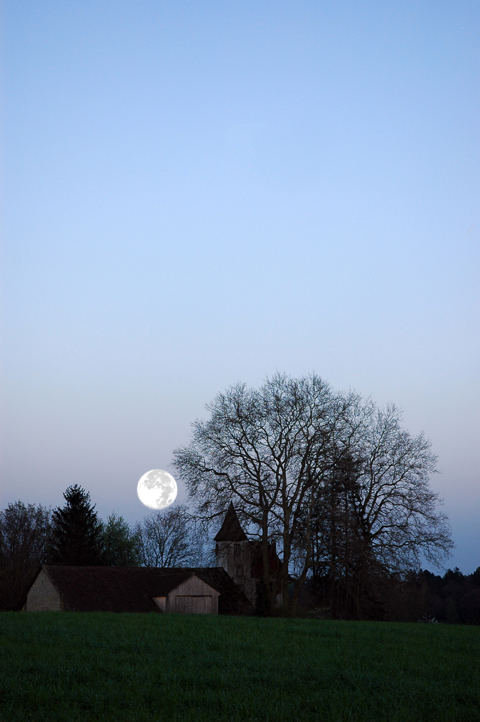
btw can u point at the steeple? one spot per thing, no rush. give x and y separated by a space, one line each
231 530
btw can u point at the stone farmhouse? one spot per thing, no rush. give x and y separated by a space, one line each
229 588
242 558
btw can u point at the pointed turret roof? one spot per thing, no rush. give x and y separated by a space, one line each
231 529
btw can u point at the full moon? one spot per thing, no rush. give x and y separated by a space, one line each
157 489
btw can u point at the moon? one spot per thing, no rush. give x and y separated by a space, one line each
157 489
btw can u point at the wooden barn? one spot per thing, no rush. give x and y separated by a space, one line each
135 589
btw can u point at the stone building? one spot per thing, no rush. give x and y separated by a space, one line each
242 558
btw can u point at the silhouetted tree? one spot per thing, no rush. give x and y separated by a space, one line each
169 539
267 451
336 482
24 530
376 513
470 604
76 536
340 551
121 545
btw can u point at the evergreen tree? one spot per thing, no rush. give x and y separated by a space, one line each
76 536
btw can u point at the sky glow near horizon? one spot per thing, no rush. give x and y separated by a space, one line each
197 195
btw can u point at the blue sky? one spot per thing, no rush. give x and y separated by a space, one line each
196 194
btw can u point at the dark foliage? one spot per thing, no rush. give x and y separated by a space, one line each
121 545
418 596
453 598
76 535
24 530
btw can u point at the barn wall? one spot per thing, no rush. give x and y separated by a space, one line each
200 604
161 603
42 596
193 596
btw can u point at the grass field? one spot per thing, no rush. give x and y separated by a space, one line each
77 666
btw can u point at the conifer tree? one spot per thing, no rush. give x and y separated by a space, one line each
76 536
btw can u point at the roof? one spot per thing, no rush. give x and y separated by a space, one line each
231 529
131 589
232 600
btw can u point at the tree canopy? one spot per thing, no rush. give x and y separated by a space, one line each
120 545
338 484
24 530
169 539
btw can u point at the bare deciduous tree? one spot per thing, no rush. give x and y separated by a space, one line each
169 539
282 454
399 511
24 530
375 512
265 450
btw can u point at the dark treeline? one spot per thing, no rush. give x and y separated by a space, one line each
420 596
453 598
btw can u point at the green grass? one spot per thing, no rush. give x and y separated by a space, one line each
74 666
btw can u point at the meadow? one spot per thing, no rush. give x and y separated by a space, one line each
85 666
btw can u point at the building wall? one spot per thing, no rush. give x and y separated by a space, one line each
201 604
236 559
42 596
193 596
161 603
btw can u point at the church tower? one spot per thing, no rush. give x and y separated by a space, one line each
234 553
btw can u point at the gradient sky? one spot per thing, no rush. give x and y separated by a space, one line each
201 193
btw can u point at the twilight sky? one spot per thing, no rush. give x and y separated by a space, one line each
201 193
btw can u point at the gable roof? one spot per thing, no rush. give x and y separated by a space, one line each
232 600
231 529
131 589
